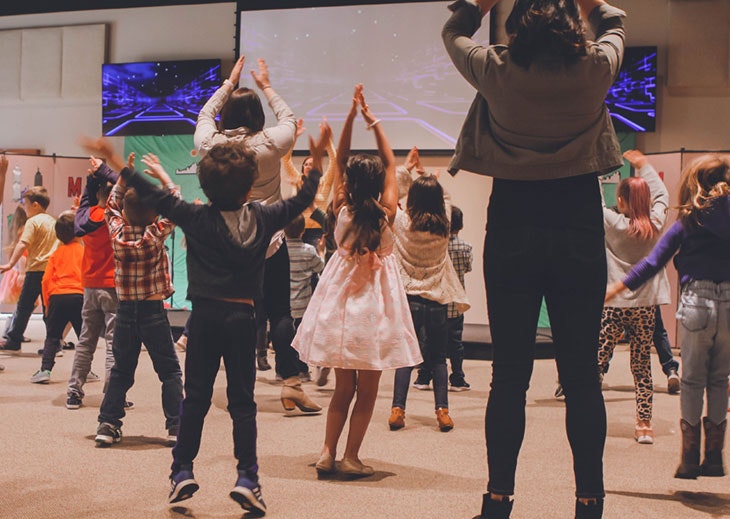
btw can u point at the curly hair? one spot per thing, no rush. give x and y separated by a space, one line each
704 180
545 28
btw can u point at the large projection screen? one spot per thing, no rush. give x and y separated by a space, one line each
317 54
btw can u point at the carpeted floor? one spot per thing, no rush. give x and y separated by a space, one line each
50 466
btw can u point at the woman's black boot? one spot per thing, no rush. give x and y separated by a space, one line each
592 510
495 509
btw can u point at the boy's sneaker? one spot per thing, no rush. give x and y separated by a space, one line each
92 377
459 385
128 405
42 376
248 495
107 434
172 435
73 402
423 381
67 345
182 486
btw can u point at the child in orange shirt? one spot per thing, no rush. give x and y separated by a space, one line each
63 293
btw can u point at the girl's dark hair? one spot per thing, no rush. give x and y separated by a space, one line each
457 219
545 28
243 108
705 180
426 207
364 181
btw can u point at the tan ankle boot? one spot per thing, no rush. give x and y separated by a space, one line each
444 420
293 395
397 419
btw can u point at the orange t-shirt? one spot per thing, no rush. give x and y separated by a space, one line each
98 265
63 272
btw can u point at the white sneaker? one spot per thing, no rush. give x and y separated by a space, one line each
92 377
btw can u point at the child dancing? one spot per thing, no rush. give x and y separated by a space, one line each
358 321
701 239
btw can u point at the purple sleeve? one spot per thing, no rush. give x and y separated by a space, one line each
657 258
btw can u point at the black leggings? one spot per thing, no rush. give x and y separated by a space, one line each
545 239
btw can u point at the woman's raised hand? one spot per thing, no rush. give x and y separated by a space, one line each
261 78
318 148
365 109
235 76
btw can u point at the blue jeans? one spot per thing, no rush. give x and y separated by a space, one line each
545 239
704 315
228 330
662 345
429 320
142 322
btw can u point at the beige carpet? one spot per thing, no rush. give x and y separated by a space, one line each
50 466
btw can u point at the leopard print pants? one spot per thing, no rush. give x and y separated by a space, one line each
639 324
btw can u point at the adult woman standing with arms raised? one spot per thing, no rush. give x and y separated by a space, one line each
540 127
242 120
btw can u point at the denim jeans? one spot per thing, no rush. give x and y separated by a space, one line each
26 304
704 316
142 322
98 317
219 329
545 239
455 347
62 309
662 345
429 320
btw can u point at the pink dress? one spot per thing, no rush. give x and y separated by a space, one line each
358 317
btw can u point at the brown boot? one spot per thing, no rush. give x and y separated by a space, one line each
293 395
689 467
444 420
397 419
714 443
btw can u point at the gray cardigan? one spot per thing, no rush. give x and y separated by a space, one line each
624 251
546 121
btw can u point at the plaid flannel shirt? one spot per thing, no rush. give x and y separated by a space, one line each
141 266
461 258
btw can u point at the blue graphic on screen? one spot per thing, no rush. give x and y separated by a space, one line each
156 98
632 98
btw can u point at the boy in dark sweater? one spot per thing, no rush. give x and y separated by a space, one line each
227 241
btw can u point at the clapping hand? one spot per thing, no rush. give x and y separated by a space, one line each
261 78
318 148
235 76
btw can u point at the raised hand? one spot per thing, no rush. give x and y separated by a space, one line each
637 159
318 148
300 128
235 76
95 164
365 110
152 162
261 78
130 160
356 99
101 146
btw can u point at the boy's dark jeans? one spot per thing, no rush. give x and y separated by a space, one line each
62 309
142 322
545 239
228 330
26 304
662 345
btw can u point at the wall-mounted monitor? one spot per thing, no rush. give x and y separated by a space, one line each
632 98
317 53
158 97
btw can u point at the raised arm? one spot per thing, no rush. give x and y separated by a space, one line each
389 199
343 153
283 134
206 127
290 171
607 24
469 58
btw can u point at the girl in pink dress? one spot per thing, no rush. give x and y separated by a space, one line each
358 320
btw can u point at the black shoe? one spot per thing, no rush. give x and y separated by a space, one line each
589 511
7 345
68 345
495 509
73 402
107 434
423 381
459 384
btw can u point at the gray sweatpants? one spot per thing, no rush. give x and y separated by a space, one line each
99 314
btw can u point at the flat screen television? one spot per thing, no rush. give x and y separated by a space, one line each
157 97
632 98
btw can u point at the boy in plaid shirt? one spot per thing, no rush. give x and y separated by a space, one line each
142 280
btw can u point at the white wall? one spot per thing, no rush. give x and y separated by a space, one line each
143 34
